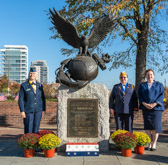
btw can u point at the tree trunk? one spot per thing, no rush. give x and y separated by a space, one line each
140 60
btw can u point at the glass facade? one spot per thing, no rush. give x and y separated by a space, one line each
42 70
15 62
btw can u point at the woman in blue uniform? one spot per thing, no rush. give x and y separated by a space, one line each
151 95
31 102
123 103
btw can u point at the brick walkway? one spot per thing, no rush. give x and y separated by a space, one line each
9 132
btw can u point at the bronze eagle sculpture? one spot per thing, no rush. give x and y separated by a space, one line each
79 71
70 35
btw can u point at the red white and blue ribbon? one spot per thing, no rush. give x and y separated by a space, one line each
82 149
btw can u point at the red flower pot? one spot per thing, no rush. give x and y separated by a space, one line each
28 153
49 153
122 151
139 149
33 151
126 152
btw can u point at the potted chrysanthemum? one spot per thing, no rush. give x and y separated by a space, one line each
142 139
125 141
29 142
44 132
49 142
117 132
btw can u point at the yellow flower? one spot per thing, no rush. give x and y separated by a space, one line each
142 138
49 141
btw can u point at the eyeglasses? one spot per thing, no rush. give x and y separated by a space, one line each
123 77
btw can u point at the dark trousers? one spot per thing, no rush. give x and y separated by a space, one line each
122 119
32 122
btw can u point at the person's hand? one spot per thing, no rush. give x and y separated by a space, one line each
44 113
135 112
153 105
112 111
148 106
23 115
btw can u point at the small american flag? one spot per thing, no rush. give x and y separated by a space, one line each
2 97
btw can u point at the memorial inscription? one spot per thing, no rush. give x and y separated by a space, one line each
82 118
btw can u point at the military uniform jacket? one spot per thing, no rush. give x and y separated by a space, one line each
123 102
153 95
30 101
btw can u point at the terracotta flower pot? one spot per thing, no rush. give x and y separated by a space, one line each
28 153
139 149
49 153
126 152
122 151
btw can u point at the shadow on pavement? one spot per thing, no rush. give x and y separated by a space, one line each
10 148
9 137
157 158
163 138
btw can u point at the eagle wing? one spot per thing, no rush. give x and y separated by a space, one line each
101 30
66 29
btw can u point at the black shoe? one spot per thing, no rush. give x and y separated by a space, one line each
149 149
153 149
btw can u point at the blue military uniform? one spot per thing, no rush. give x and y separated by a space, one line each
123 103
32 103
153 117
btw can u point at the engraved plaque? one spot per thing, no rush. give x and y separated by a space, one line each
82 118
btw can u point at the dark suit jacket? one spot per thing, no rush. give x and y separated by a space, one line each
29 101
153 95
123 103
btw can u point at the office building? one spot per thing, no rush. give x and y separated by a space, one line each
14 62
42 70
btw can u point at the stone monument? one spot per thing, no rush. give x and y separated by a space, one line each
83 115
83 108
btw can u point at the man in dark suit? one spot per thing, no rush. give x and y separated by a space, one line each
123 103
31 102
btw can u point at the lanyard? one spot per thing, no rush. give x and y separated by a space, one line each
32 87
123 87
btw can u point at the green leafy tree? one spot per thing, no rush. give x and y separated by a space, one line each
138 25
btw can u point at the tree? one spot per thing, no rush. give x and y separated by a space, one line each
50 92
138 24
3 83
13 86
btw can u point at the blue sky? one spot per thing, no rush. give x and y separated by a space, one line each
24 22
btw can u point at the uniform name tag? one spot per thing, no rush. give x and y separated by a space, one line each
28 89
